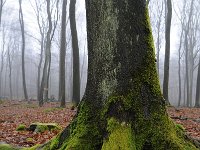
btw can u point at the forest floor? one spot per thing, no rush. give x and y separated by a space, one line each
14 113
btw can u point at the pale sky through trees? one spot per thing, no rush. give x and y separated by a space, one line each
31 25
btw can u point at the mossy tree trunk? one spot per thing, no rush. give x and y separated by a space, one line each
123 107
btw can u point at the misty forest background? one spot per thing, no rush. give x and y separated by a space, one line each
40 54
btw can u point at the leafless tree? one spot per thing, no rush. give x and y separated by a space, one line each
21 20
167 50
43 94
75 47
62 56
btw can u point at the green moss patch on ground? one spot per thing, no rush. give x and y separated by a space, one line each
41 127
21 127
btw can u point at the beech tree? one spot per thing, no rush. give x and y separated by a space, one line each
197 100
123 107
62 56
21 20
75 47
10 54
3 54
167 50
44 86
42 29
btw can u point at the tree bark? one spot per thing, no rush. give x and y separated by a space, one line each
62 56
186 44
10 71
158 43
39 66
2 59
197 101
123 107
75 47
21 20
167 51
179 69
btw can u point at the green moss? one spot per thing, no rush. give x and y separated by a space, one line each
85 130
21 127
7 147
120 136
154 131
180 127
54 143
41 127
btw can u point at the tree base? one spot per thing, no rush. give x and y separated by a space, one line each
120 132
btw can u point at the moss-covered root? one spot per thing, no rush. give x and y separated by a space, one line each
84 133
123 137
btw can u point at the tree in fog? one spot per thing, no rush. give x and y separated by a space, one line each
123 103
41 22
10 54
75 47
197 100
21 20
3 54
62 56
179 69
44 80
188 49
44 86
157 19
2 2
190 25
167 51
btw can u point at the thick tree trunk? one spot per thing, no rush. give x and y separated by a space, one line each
62 56
76 68
167 51
21 20
123 107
